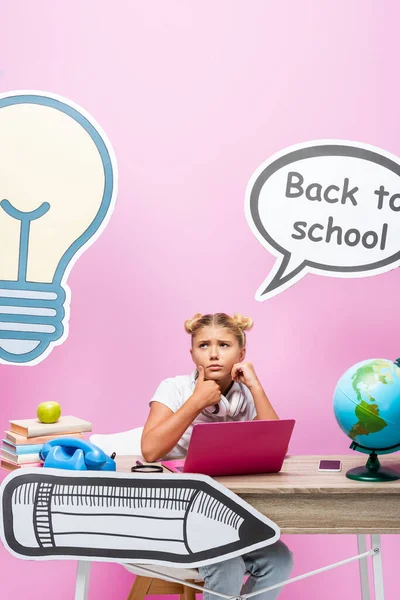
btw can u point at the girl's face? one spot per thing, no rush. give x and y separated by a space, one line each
217 350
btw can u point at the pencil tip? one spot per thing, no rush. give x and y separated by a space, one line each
253 531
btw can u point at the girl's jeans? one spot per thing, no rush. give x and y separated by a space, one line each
266 566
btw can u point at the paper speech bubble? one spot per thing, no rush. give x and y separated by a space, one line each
329 207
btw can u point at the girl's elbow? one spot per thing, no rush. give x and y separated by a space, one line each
150 457
148 454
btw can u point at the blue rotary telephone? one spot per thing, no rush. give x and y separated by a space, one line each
75 455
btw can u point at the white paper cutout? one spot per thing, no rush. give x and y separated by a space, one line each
174 520
328 207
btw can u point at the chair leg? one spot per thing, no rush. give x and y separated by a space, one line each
140 587
189 593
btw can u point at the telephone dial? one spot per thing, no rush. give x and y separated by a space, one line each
74 454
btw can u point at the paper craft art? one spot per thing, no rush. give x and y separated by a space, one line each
172 520
58 185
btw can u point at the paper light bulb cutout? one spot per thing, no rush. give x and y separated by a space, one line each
57 190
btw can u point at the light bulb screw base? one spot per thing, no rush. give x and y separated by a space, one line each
31 316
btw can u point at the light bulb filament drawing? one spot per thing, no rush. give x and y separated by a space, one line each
35 320
25 218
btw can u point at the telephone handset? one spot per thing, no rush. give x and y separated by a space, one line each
74 454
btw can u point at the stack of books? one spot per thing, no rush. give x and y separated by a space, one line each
26 437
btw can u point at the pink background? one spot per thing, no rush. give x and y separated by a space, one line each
194 96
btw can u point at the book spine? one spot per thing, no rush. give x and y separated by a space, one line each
21 440
20 458
36 430
18 429
9 466
4 464
25 449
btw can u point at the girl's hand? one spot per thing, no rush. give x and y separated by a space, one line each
206 392
244 372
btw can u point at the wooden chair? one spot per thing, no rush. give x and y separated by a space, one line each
147 586
127 443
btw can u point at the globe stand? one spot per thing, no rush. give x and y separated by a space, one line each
372 471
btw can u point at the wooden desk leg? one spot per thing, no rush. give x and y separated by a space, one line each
82 580
377 565
363 565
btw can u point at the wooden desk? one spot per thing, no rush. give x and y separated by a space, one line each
301 499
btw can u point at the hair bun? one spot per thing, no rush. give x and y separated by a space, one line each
244 323
190 323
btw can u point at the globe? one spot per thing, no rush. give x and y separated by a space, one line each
366 403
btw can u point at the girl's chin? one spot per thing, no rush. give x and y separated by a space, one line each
216 374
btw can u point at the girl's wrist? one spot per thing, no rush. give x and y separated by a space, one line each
255 386
196 402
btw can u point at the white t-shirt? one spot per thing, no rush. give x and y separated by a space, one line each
174 391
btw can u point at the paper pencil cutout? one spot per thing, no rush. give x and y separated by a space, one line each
164 519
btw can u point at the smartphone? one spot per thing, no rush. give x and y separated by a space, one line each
330 465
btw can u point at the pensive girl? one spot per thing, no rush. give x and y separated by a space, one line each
222 388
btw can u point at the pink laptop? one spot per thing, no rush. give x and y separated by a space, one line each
235 448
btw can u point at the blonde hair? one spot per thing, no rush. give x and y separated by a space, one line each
237 324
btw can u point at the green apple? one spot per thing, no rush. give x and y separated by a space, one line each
49 412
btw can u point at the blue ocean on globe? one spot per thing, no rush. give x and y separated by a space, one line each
366 403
